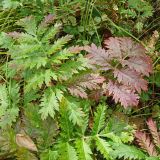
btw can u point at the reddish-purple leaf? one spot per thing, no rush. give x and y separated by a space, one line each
96 95
141 64
98 57
130 47
47 20
14 35
122 94
113 46
154 131
145 143
126 59
75 49
77 91
123 47
131 78
90 81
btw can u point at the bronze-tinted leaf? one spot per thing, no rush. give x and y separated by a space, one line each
77 91
122 94
98 56
154 131
14 34
75 49
142 64
48 19
130 47
145 143
90 81
131 78
123 47
113 46
25 141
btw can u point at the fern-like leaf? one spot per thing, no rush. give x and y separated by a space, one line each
104 147
131 78
3 99
142 64
122 47
29 24
67 70
75 114
98 56
43 26
75 49
126 63
48 19
83 149
49 104
59 44
61 55
67 152
50 34
39 78
99 119
145 143
127 152
153 129
66 125
49 155
123 94
90 81
9 111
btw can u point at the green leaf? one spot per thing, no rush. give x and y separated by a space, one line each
49 74
104 147
68 69
127 137
139 26
99 119
152 158
25 154
9 99
5 40
32 116
59 44
127 152
29 24
14 94
3 99
25 38
23 50
141 6
10 4
49 155
49 104
116 126
75 114
83 149
50 33
61 55
30 96
9 117
37 79
66 125
67 152
113 137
